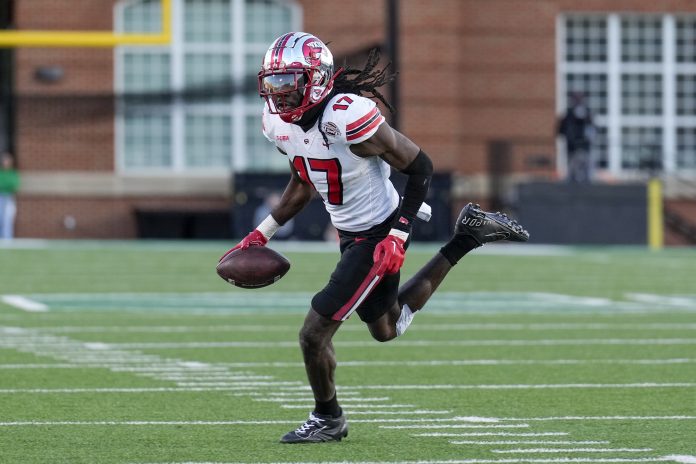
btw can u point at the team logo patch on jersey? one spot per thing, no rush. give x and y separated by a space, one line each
331 129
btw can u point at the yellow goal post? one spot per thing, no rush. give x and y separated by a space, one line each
14 38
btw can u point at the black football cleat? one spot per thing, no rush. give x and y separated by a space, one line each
317 429
485 227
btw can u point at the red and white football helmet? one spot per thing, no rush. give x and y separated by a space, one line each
297 74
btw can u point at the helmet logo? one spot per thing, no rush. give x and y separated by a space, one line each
311 50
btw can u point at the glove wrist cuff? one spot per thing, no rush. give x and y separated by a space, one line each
268 227
399 234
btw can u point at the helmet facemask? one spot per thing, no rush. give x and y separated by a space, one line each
297 74
284 92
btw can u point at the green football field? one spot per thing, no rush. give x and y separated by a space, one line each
136 352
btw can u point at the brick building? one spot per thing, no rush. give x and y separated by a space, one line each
101 133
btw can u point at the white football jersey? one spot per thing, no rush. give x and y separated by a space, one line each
356 191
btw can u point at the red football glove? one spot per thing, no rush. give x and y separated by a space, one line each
255 238
389 255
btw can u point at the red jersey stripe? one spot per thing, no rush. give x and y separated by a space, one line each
363 291
357 123
366 130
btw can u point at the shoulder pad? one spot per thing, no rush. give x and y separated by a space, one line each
356 118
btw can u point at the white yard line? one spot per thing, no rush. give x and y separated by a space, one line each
24 303
418 343
685 459
527 386
222 367
239 384
202 377
417 412
143 423
351 406
213 304
477 434
272 399
284 385
571 450
122 390
661 300
493 326
458 426
212 423
255 385
671 458
521 386
50 366
291 394
594 418
507 362
523 442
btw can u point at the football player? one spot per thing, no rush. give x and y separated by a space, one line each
338 144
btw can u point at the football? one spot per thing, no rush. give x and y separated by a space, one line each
255 267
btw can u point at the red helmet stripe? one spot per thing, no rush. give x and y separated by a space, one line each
279 51
274 49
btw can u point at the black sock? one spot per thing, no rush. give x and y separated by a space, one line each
455 249
328 408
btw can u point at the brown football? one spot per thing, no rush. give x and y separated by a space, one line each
255 267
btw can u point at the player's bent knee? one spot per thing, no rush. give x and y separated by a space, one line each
383 338
382 332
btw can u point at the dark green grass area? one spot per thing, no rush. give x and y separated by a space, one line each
514 362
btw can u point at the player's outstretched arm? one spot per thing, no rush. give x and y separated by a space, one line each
402 154
295 197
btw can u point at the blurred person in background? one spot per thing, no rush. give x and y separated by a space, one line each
265 208
579 132
338 143
9 183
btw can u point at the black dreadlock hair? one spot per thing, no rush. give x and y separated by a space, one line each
365 82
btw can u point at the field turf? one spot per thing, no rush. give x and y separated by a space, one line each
136 352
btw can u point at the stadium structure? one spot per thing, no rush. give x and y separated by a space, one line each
123 114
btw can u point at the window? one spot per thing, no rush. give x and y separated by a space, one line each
638 76
192 106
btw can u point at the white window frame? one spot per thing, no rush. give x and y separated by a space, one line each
614 120
237 108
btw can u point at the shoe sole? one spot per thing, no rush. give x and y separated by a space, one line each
338 438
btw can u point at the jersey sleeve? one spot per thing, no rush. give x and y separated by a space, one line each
267 125
362 118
